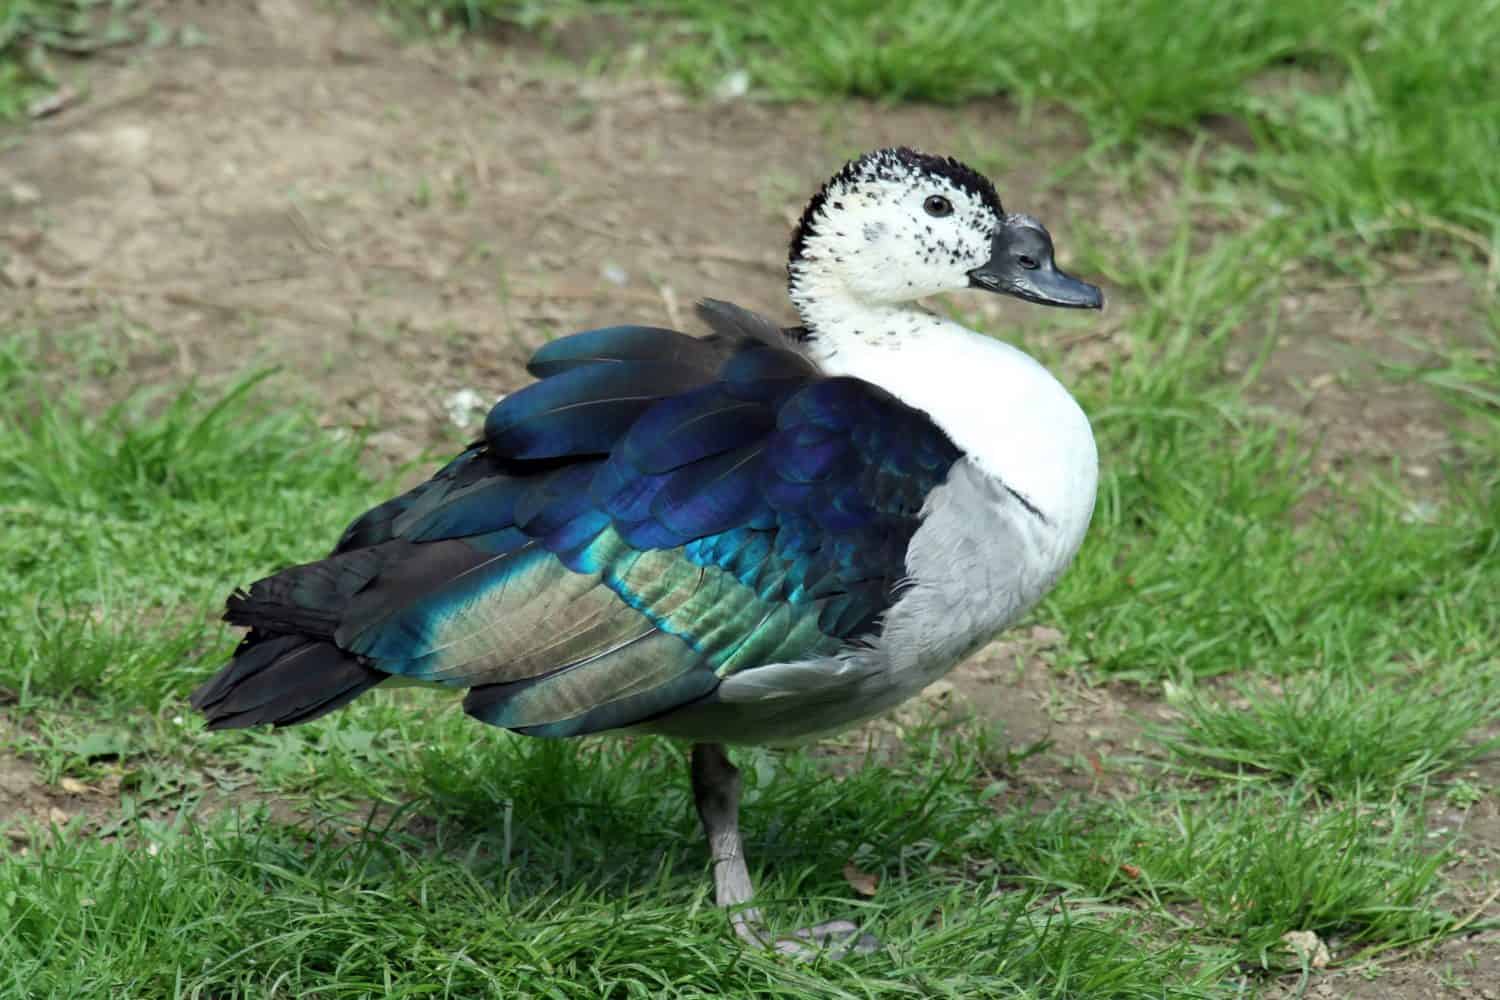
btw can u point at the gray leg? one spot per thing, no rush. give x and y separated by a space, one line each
716 791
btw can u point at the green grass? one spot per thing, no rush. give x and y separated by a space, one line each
1339 735
120 521
503 866
37 35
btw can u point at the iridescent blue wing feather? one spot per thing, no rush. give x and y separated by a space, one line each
655 513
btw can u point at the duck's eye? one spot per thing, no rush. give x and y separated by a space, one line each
937 206
1027 262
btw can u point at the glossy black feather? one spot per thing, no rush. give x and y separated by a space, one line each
382 522
282 680
581 410
620 343
735 324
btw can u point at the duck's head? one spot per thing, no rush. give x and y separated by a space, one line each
896 225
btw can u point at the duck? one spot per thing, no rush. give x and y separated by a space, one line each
757 536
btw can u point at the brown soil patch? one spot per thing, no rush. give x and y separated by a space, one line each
1334 365
29 802
1460 969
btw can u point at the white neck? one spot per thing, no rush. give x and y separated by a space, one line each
1008 414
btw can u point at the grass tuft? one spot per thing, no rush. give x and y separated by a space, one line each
1242 868
1339 735
118 520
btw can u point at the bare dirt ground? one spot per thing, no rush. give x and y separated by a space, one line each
395 223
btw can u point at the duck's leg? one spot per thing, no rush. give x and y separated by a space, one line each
716 792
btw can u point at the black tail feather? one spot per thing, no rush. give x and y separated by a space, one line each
282 680
307 599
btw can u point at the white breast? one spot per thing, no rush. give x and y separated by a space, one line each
1007 413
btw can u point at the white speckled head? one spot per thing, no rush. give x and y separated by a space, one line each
896 225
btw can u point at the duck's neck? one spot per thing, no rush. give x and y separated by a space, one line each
833 315
1008 414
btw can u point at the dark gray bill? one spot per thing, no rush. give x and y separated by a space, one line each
1021 264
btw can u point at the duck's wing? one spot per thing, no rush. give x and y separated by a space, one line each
655 513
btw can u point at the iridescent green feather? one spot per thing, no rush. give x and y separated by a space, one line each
707 622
